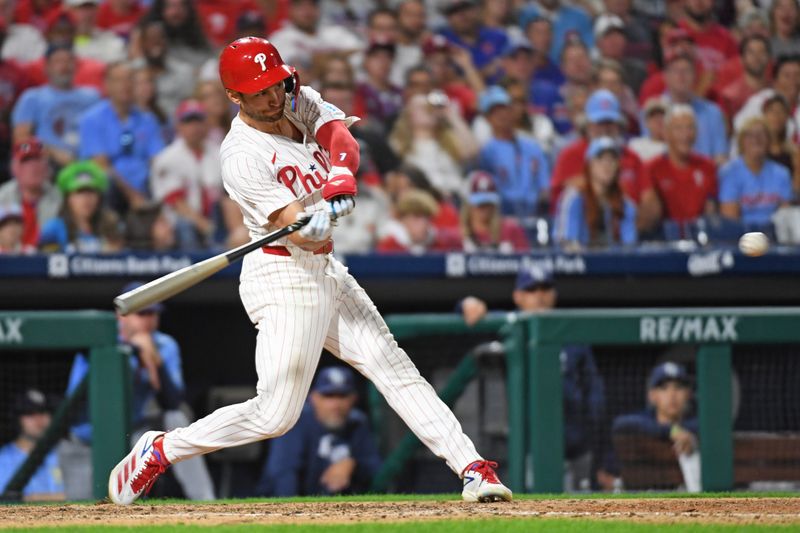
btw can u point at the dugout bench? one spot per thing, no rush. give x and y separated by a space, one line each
533 344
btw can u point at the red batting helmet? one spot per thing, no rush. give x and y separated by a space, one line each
251 64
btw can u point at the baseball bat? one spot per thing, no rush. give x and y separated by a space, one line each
171 284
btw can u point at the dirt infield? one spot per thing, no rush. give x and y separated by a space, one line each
665 510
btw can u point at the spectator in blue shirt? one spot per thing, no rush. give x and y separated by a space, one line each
596 212
156 371
752 187
519 166
567 20
33 412
666 417
51 112
120 137
465 29
712 135
539 32
553 98
330 450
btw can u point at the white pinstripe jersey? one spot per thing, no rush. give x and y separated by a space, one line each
264 172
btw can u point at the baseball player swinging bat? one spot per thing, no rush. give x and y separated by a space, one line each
171 284
289 152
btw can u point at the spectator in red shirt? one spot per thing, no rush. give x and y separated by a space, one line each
413 231
119 16
686 181
31 189
604 119
482 226
755 53
714 43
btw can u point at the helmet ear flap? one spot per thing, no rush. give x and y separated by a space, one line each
290 83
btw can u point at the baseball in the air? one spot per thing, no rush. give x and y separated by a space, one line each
754 244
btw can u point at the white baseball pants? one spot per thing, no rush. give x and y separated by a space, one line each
301 304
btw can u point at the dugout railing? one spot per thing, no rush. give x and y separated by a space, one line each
533 375
95 333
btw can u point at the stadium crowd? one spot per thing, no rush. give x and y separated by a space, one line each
494 125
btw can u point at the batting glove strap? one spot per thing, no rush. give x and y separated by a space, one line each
318 228
341 183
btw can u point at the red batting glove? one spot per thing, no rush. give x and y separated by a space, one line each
340 183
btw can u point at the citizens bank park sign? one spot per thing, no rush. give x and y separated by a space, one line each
670 329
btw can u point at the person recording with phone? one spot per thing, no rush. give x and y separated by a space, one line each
431 135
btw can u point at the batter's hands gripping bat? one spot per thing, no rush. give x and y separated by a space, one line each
167 286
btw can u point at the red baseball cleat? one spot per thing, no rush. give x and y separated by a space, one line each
135 474
481 483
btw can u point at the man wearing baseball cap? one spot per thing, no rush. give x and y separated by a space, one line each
667 416
583 387
611 42
482 225
519 166
32 412
187 177
157 380
331 449
31 189
604 119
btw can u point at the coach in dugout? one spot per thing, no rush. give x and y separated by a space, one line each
330 450
32 410
583 387
158 393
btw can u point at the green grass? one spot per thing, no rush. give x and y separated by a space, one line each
479 526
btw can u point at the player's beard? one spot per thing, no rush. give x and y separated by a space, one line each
260 116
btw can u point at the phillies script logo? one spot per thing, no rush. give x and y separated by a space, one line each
316 176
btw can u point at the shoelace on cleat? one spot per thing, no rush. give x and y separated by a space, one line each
144 481
486 470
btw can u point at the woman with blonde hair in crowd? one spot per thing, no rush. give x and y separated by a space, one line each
752 187
483 227
431 135
595 212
